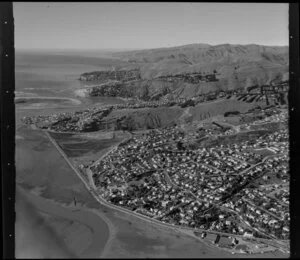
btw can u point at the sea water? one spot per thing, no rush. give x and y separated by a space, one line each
50 74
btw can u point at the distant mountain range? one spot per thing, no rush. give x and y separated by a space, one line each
237 65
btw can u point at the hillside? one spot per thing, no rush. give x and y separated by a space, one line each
191 70
142 118
237 65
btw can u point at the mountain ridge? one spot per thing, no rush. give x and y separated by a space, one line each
230 66
228 59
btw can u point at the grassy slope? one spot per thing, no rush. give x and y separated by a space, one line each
164 116
206 110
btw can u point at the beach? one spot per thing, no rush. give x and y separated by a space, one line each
86 237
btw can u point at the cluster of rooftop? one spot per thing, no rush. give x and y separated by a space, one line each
231 188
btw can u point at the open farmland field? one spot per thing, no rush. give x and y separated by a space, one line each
240 137
78 145
87 148
206 110
263 151
230 121
273 126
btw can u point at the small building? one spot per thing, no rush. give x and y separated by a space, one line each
248 234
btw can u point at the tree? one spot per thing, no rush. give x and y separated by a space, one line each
243 208
180 145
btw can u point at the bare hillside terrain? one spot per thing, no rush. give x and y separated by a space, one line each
191 70
228 60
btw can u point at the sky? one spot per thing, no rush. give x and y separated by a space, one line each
134 25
